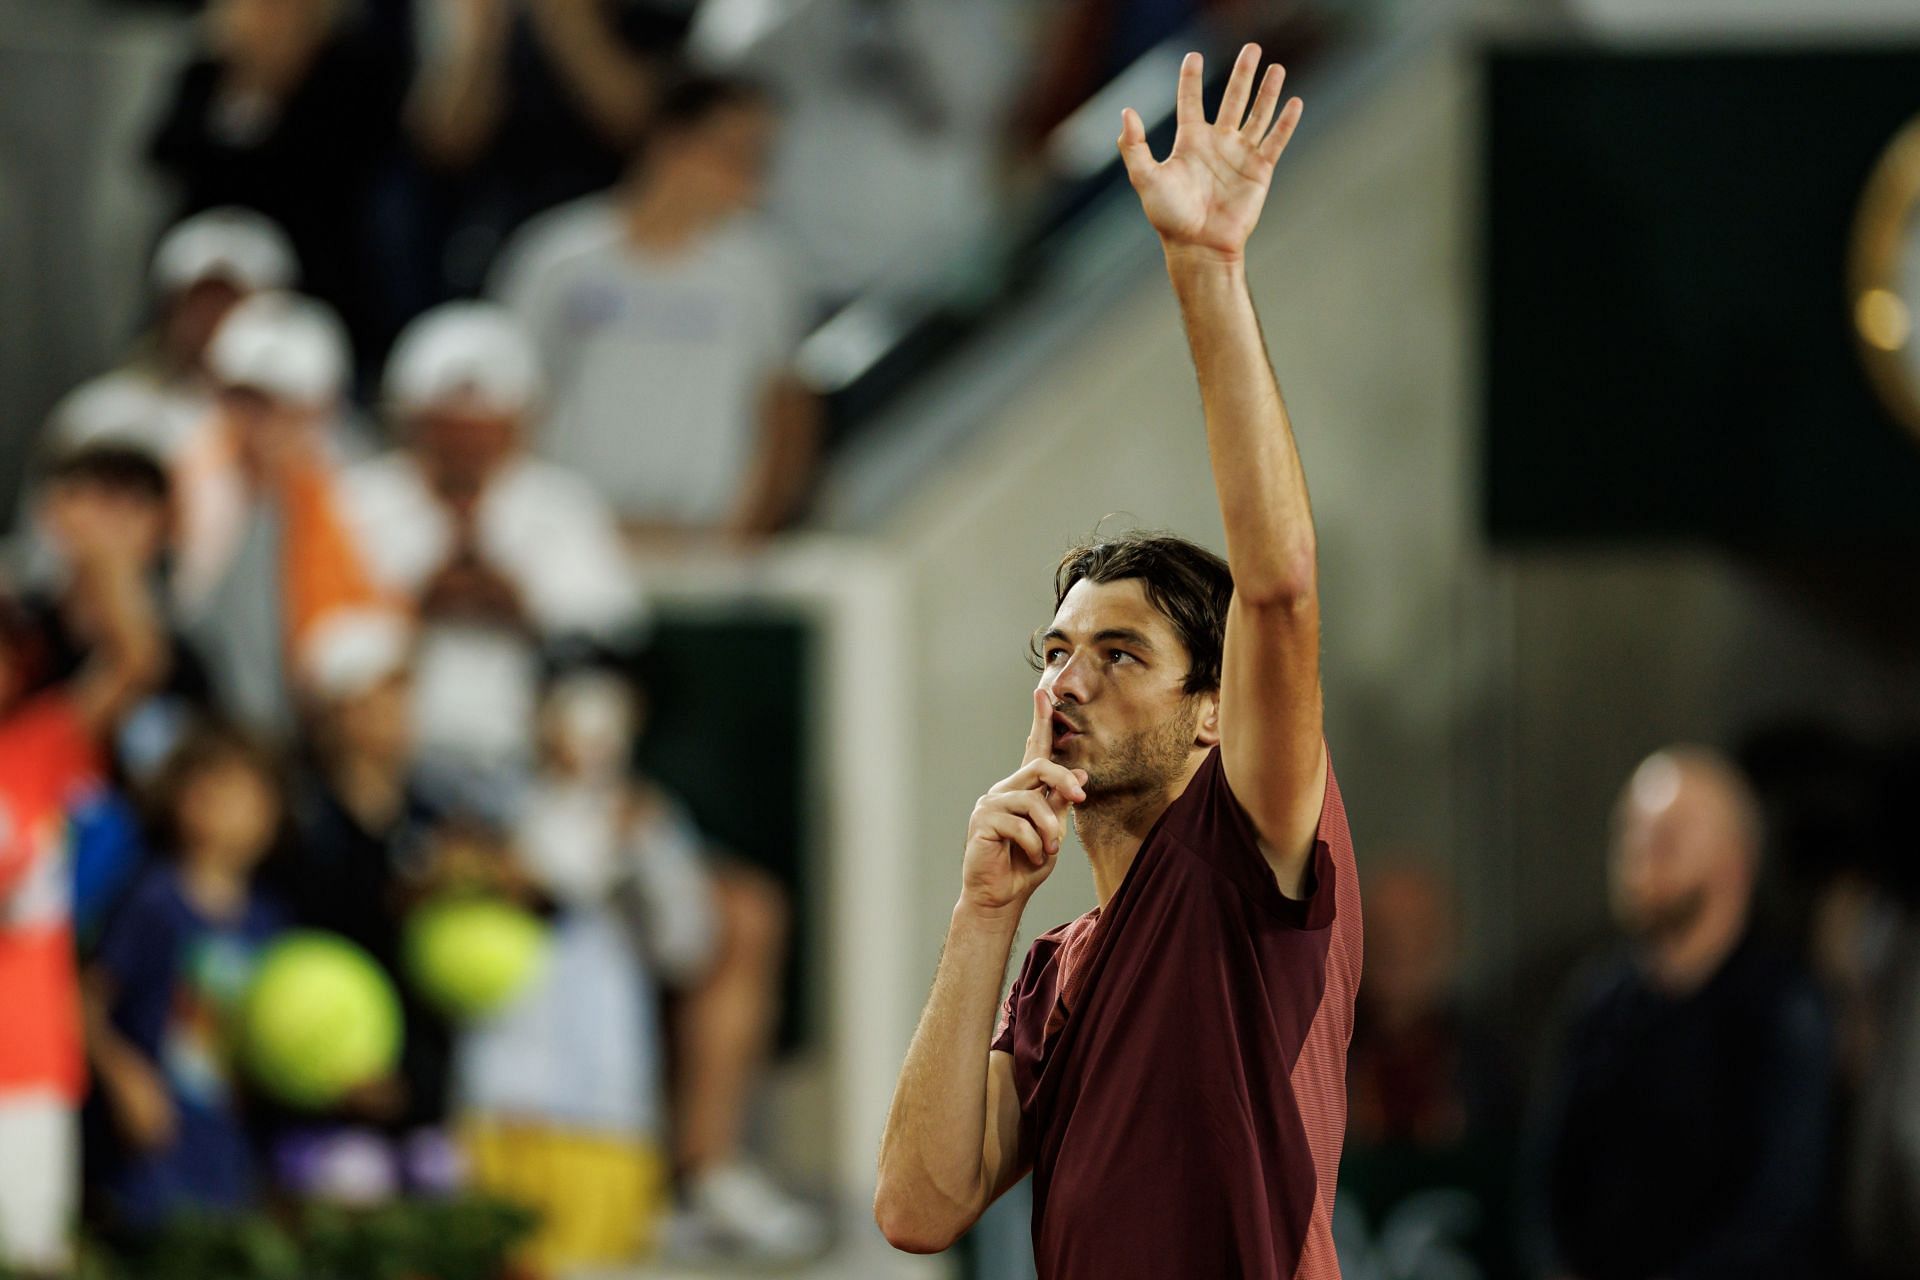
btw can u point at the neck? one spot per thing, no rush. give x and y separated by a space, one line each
1683 962
1112 827
213 885
660 222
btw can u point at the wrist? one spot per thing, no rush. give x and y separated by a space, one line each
976 918
1202 261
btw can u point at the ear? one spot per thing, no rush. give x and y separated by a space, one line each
1206 733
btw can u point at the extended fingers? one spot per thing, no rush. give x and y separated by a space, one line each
1233 103
1187 110
1282 131
1040 735
1264 104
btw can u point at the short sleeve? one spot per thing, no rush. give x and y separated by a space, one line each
1003 1032
1210 820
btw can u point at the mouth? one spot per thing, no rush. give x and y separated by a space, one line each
1063 730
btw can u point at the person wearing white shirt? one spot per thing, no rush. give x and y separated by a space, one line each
499 551
667 322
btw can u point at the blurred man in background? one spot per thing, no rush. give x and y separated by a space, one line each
264 550
1685 1130
667 321
289 110
499 553
202 269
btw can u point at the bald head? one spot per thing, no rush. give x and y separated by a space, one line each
1686 844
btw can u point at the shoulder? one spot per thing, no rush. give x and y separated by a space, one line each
1209 821
582 230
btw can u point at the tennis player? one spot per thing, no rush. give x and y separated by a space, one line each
1170 1066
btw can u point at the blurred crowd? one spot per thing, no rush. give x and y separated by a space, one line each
323 608
1726 1089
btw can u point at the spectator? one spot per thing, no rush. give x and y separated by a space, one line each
1428 1088
112 490
564 1087
667 323
51 758
365 832
517 108
1684 1132
499 552
166 986
714 932
288 109
265 550
202 268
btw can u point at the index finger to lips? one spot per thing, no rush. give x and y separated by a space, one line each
1040 737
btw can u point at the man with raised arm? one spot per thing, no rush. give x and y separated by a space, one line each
1171 1064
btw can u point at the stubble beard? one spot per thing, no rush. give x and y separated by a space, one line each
1136 773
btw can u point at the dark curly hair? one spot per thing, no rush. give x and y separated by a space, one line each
1187 583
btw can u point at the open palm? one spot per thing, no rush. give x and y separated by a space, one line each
1207 194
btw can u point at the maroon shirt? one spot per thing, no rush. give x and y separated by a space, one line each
1180 1056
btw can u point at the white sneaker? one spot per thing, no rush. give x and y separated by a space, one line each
738 1210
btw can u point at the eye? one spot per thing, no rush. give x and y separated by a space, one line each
1118 655
1054 655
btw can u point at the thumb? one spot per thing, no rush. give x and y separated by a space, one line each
1134 151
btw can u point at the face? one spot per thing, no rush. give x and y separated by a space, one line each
81 518
228 811
461 446
1677 843
270 431
192 315
722 161
1116 670
377 724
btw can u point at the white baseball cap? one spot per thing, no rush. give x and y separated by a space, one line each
464 350
244 248
350 650
285 345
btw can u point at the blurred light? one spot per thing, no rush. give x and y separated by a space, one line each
834 356
1883 319
1088 140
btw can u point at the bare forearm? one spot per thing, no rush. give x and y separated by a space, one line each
613 87
1256 468
131 656
783 467
933 1179
459 97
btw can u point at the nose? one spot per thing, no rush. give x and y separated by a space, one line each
1070 681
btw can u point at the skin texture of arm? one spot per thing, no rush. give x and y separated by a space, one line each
952 1138
1204 201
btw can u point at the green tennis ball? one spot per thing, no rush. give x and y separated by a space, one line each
468 956
320 1018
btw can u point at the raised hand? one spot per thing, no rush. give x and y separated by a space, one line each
1014 835
1206 196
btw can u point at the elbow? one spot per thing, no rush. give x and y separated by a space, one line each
1285 579
907 1228
1286 592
